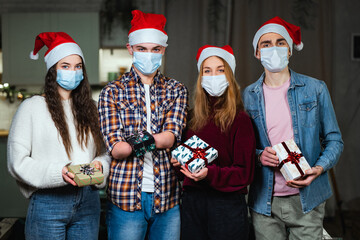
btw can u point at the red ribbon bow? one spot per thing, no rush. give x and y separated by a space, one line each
293 157
197 153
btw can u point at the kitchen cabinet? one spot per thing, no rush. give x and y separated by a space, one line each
18 38
12 202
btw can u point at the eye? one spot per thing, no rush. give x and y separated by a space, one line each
221 70
65 67
78 67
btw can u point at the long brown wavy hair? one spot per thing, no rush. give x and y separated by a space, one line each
83 108
225 108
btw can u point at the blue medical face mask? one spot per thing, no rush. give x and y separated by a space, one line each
147 62
274 59
68 79
215 85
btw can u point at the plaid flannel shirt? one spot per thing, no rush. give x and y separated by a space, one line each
122 110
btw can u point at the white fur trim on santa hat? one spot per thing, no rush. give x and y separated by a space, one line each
148 35
61 51
275 28
214 51
34 57
299 47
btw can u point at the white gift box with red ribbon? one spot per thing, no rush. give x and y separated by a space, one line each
292 163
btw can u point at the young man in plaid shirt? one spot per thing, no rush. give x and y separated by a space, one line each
143 191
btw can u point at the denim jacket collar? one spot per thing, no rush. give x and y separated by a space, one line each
294 81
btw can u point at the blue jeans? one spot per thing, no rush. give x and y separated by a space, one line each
143 223
63 213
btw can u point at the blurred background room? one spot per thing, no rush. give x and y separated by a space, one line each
330 33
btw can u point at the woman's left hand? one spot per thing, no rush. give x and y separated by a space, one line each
195 176
68 176
98 165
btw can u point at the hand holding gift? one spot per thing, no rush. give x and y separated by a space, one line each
86 174
292 162
194 154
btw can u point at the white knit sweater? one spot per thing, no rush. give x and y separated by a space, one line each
36 154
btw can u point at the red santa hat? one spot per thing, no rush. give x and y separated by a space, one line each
224 52
59 45
290 32
147 28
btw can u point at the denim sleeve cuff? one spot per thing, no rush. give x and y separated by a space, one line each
323 163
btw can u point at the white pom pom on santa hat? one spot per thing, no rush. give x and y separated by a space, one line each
299 47
34 57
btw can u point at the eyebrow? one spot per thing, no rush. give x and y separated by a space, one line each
65 63
280 39
158 46
277 40
220 66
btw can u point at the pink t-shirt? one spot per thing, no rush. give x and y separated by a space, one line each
279 128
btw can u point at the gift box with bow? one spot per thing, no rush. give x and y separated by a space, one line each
292 162
86 174
194 154
141 142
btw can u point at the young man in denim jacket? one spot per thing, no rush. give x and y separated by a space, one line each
286 105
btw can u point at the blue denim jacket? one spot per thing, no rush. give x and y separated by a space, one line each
316 132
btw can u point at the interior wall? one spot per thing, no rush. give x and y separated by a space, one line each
346 97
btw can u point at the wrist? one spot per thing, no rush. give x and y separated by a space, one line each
259 158
320 169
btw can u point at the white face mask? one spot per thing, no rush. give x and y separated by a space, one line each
274 59
214 85
147 62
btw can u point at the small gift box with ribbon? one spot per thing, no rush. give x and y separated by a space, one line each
86 174
194 154
292 163
141 142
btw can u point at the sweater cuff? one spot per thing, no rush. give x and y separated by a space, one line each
56 174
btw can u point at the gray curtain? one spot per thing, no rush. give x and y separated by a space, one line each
191 24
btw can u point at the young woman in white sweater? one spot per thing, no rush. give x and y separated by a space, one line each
50 132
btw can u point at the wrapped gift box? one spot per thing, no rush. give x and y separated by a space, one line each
141 142
194 154
86 174
292 163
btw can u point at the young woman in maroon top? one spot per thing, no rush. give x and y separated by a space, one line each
213 201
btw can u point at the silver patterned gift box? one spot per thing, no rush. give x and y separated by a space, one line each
195 154
292 163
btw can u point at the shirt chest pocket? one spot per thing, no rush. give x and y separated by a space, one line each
164 107
308 113
129 114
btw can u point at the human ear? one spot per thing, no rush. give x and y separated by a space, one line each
257 55
129 48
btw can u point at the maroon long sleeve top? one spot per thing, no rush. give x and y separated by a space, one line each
233 170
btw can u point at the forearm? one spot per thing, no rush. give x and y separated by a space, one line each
121 150
164 140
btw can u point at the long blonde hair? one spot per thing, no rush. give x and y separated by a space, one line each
225 108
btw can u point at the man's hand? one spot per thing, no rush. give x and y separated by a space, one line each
307 179
268 157
195 176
